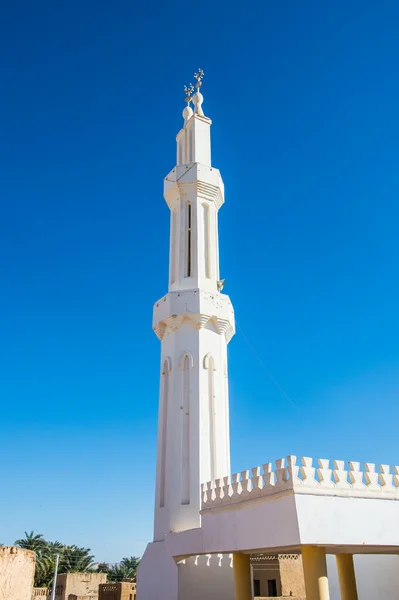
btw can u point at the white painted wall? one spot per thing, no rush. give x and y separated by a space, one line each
208 577
252 525
377 577
340 521
157 574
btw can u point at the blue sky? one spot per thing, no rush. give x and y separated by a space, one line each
304 102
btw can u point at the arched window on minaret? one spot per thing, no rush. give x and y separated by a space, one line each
209 364
186 364
165 409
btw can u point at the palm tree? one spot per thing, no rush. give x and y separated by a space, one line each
75 560
131 563
44 563
118 573
44 572
72 558
126 569
31 541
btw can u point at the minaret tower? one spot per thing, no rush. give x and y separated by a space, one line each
194 323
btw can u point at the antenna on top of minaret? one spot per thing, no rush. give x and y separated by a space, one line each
198 97
188 111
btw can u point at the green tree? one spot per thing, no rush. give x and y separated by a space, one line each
72 559
131 563
32 541
75 560
126 569
44 563
44 571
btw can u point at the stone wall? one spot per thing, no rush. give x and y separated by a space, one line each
285 569
117 591
17 570
41 593
72 586
82 585
291 575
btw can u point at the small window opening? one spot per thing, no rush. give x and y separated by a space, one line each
272 588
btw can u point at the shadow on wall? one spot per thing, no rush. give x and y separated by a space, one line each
206 576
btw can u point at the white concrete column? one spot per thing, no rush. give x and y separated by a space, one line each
346 575
315 573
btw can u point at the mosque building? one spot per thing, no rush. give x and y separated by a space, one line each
216 534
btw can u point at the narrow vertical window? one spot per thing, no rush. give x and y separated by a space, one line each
173 249
212 410
216 245
226 415
189 226
185 455
165 379
180 151
189 145
209 364
206 241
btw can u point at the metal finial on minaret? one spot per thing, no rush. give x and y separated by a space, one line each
188 91
188 111
199 77
198 97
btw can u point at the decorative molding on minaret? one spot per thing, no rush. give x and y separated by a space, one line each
184 356
194 322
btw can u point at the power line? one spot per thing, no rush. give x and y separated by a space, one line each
270 375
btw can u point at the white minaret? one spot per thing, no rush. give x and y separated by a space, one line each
194 322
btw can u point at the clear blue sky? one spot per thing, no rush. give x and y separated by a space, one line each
304 102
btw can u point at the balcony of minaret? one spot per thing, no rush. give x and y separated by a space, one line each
198 180
201 309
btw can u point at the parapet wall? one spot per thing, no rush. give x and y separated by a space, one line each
117 591
304 478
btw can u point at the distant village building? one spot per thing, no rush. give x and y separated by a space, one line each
73 586
17 570
278 575
123 590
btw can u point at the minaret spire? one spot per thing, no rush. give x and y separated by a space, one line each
198 97
194 323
